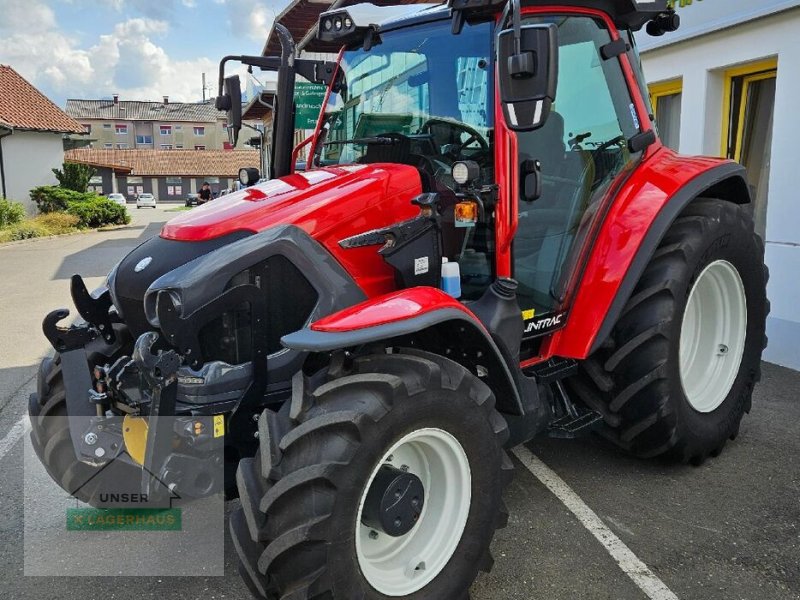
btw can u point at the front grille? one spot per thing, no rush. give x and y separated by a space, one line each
290 301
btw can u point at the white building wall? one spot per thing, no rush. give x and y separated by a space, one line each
701 62
28 159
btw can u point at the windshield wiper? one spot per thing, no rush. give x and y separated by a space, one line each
366 141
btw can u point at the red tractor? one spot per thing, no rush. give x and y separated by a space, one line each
487 243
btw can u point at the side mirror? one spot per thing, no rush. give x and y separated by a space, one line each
231 102
528 75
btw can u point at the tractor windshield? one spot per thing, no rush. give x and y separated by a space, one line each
419 96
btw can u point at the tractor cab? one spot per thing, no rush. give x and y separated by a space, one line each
521 123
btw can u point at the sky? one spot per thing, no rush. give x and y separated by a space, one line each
139 49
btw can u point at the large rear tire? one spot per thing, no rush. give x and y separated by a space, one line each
300 532
677 374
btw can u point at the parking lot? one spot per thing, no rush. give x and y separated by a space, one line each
725 530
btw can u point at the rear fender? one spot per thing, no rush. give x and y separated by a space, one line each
632 230
421 317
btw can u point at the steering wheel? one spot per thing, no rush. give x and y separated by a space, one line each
473 135
606 145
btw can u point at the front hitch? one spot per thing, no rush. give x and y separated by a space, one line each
158 371
70 342
93 308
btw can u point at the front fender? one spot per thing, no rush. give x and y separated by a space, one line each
392 315
433 321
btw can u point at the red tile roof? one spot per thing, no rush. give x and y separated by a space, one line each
24 107
159 163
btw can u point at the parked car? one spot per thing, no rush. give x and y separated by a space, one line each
146 200
118 198
193 199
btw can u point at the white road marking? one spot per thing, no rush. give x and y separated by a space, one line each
631 565
14 435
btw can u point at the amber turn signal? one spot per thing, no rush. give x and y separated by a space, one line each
466 213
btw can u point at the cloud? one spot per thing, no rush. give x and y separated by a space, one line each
154 9
252 17
127 60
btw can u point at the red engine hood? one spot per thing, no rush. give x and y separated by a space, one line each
329 204
313 200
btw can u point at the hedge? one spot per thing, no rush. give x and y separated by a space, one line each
98 211
52 198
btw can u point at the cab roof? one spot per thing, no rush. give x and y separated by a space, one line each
301 16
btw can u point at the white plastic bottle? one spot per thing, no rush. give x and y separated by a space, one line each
451 278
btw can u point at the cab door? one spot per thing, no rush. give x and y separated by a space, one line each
582 149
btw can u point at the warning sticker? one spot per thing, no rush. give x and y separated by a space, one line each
219 425
421 265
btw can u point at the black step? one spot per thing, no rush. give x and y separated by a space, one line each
570 427
553 370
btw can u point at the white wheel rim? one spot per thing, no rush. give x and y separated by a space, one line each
399 566
713 335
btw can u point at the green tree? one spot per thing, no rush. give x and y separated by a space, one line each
74 176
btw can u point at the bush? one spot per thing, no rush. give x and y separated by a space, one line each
98 211
74 176
57 223
10 212
52 198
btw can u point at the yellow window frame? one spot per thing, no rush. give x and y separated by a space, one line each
662 90
752 72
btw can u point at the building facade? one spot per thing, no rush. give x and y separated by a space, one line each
124 124
724 84
169 175
32 130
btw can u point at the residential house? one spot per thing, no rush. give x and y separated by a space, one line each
32 129
130 124
170 175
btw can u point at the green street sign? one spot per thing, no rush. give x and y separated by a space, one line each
308 98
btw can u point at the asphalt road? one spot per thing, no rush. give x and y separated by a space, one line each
727 530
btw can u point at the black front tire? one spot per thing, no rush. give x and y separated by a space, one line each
295 532
635 377
50 433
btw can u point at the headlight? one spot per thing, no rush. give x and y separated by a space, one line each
248 176
466 171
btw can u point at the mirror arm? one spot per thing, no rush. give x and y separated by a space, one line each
516 16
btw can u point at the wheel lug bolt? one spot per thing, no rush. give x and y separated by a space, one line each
373 535
404 468
723 349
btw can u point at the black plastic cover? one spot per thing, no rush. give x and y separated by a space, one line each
128 285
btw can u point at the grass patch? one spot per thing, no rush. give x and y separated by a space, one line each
40 226
179 209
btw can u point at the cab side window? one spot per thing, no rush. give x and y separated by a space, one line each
582 148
